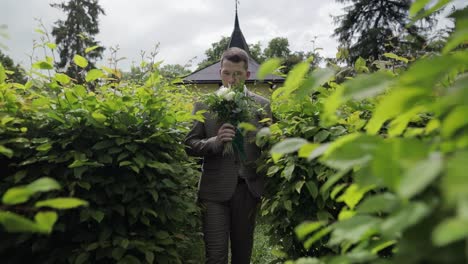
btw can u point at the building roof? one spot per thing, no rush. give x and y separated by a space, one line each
210 74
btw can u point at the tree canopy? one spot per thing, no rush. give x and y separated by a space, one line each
277 47
370 28
75 34
18 73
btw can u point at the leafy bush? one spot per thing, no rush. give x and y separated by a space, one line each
117 147
391 184
14 198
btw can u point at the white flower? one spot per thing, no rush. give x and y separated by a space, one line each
229 96
222 92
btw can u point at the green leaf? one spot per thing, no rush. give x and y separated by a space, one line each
332 180
61 203
82 258
288 171
395 103
62 78
354 229
455 182
353 195
449 231
247 126
434 8
288 145
383 245
149 256
395 156
417 6
97 215
288 205
89 49
399 124
103 144
2 74
306 150
299 186
360 65
380 203
43 65
455 120
417 178
318 235
367 85
312 188
6 151
51 46
306 228
350 150
117 253
93 75
318 77
16 223
21 194
99 117
80 61
321 136
409 215
337 189
44 184
268 67
296 76
396 57
16 195
46 221
44 147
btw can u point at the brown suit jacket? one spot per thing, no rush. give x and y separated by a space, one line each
220 172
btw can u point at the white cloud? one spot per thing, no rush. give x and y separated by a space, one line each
184 28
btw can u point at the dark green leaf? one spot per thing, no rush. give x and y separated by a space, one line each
449 231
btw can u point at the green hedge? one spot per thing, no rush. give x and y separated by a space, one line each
374 167
119 147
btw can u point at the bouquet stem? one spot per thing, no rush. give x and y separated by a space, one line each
228 149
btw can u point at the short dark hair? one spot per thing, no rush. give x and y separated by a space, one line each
235 55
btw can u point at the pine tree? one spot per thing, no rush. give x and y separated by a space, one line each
76 33
370 28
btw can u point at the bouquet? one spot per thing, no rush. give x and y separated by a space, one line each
231 105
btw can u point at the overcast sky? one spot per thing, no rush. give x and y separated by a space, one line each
184 28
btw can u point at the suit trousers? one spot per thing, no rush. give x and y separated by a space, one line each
233 219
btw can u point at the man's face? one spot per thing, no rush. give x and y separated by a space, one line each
233 73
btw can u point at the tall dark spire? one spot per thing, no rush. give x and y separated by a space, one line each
237 38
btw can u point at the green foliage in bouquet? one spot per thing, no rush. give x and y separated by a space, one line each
232 105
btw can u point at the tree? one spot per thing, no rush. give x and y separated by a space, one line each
172 71
256 52
18 73
214 53
75 34
277 47
370 28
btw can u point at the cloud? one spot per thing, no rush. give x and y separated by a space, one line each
184 28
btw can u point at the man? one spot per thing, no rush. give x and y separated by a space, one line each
230 188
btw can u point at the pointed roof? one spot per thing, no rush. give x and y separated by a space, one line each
210 74
237 38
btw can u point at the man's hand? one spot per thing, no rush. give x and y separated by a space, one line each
226 133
